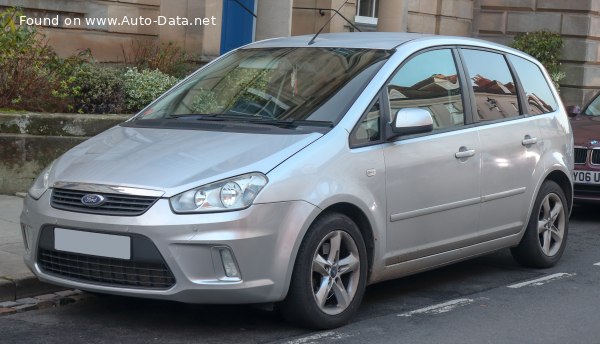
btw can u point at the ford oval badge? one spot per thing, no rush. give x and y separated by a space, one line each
93 200
594 142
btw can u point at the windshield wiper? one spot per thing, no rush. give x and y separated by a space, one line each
255 119
209 117
292 123
196 115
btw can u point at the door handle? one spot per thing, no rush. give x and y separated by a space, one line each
464 152
528 140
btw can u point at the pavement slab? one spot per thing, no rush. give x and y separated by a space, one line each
16 280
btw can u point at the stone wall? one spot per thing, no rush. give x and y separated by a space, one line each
31 141
108 43
306 22
442 17
577 21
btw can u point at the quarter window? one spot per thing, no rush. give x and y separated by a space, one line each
493 85
369 128
429 81
539 96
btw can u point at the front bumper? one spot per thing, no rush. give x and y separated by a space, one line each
264 239
586 193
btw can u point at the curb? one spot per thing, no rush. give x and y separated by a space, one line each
52 300
15 289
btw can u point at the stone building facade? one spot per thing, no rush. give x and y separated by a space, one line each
578 21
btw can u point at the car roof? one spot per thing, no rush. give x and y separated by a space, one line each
368 40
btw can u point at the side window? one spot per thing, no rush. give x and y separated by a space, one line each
539 96
493 85
429 81
369 127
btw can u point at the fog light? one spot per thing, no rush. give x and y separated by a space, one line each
229 264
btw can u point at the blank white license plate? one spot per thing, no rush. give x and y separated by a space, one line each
95 244
586 177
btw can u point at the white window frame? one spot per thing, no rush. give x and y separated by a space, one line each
364 19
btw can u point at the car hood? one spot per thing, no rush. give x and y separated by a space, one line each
173 160
586 130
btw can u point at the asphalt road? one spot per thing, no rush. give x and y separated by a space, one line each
486 300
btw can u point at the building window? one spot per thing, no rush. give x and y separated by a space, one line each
367 11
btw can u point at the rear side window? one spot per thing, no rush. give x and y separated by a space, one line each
539 96
493 85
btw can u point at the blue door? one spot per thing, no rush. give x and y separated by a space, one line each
238 24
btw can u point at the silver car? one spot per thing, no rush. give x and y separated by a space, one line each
298 172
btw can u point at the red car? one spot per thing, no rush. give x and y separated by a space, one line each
586 135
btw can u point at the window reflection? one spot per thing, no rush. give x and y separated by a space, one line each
429 81
369 129
594 108
493 85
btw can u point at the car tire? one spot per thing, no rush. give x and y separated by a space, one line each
327 284
545 237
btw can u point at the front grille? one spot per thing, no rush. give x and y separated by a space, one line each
115 204
106 271
595 159
580 155
146 269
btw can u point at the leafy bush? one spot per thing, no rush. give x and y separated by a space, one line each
32 76
166 57
97 89
143 87
546 47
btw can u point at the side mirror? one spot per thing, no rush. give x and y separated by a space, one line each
411 121
573 110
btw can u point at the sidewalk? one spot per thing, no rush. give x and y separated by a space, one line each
16 281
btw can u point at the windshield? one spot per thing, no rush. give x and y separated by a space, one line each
593 109
276 85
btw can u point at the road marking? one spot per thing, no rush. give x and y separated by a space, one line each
542 280
439 308
319 337
597 264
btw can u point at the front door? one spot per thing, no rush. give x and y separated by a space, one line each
432 180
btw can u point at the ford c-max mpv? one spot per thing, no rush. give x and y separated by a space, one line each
297 173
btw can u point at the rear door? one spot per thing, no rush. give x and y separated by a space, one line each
510 144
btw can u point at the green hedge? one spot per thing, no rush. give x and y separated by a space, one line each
545 46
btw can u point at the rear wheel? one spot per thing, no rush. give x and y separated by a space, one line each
330 274
545 238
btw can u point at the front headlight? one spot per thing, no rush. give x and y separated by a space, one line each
42 183
229 194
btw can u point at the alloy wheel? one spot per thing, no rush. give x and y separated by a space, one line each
335 272
551 224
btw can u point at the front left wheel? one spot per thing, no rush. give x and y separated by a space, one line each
330 274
